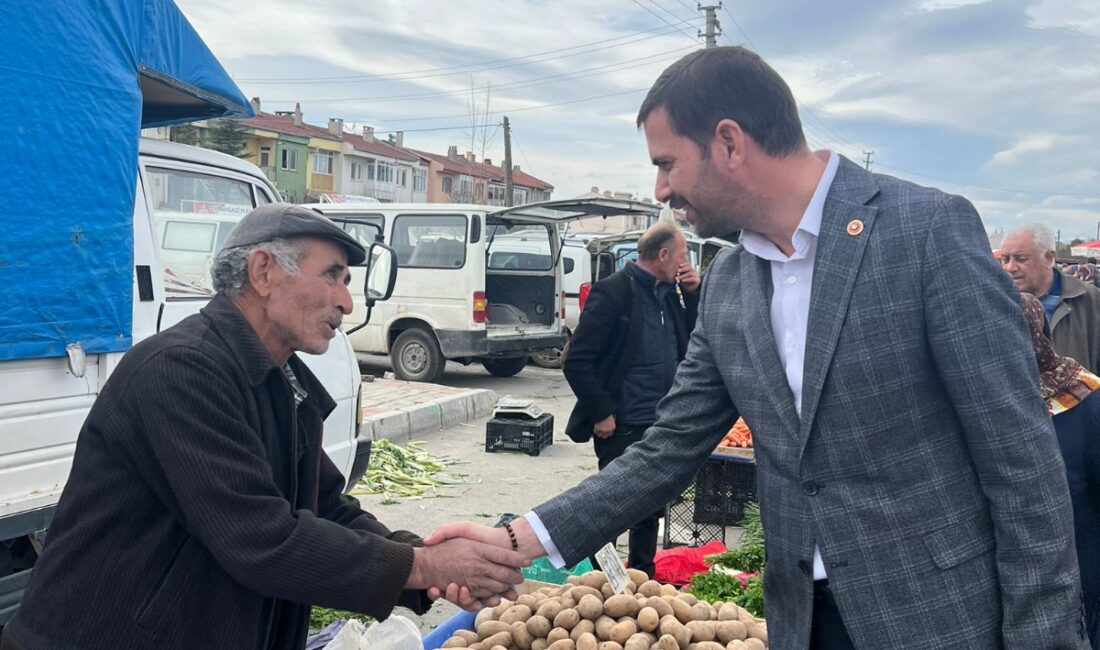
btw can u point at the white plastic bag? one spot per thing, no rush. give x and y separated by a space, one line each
350 637
394 633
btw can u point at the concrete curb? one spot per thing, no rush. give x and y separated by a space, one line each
421 409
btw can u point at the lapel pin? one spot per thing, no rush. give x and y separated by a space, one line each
855 226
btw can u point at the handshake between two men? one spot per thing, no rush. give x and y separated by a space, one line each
473 565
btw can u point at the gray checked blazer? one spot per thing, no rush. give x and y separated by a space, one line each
923 465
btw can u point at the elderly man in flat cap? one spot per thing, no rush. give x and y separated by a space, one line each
201 511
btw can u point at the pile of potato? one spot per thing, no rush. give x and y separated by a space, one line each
585 614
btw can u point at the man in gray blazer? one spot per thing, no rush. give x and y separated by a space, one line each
909 479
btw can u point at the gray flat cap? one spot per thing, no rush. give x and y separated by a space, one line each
283 221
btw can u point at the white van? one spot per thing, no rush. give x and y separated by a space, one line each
477 283
577 281
187 200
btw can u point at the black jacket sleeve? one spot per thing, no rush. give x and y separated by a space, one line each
598 332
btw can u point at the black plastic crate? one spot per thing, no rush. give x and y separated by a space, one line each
528 435
722 490
681 529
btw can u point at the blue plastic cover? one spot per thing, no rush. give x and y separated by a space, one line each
79 81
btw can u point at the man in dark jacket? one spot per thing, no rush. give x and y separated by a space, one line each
201 511
621 361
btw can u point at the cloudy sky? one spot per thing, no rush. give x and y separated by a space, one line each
997 100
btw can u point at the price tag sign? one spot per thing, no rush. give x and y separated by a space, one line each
612 566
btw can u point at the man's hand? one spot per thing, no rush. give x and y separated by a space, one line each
688 278
486 570
605 427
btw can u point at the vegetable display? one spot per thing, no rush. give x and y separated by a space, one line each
739 435
585 614
407 472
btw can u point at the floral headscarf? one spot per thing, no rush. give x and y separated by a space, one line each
1062 381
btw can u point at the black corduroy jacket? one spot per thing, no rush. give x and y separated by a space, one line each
201 511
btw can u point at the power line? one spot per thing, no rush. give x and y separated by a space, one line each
565 76
688 6
487 65
661 18
512 110
667 11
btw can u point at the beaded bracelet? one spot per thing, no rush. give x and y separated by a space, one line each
511 536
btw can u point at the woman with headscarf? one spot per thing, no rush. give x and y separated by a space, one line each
1072 395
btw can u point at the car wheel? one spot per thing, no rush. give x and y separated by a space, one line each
504 367
548 358
416 356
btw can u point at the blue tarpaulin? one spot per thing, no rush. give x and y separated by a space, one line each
78 81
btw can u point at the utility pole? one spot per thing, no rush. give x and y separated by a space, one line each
867 159
507 163
714 30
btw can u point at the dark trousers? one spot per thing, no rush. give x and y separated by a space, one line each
643 534
827 631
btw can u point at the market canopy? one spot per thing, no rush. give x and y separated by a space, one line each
1088 249
81 79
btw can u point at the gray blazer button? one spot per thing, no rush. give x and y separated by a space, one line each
811 488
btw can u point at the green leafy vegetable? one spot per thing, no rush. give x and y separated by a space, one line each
405 472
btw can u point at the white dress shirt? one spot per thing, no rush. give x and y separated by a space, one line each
792 280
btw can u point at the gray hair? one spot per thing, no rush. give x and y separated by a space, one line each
229 272
1041 234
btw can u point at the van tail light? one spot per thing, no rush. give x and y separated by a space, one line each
563 305
583 296
481 307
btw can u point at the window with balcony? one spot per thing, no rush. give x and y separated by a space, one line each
357 171
379 171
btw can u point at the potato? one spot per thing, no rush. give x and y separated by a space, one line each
501 608
590 607
623 631
701 630
757 631
585 626
728 612
687 597
610 645
639 641
648 619
557 634
549 609
672 626
663 608
515 613
567 618
568 602
603 627
490 628
469 635
650 588
594 579
681 610
484 615
745 617
538 626
620 605
735 645
754 644
587 641
669 590
727 631
521 637
637 577
668 642
701 611
573 580
706 645
498 647
539 644
531 600
454 642
606 590
500 638
563 644
580 591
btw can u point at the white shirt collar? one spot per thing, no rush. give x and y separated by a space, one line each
808 227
